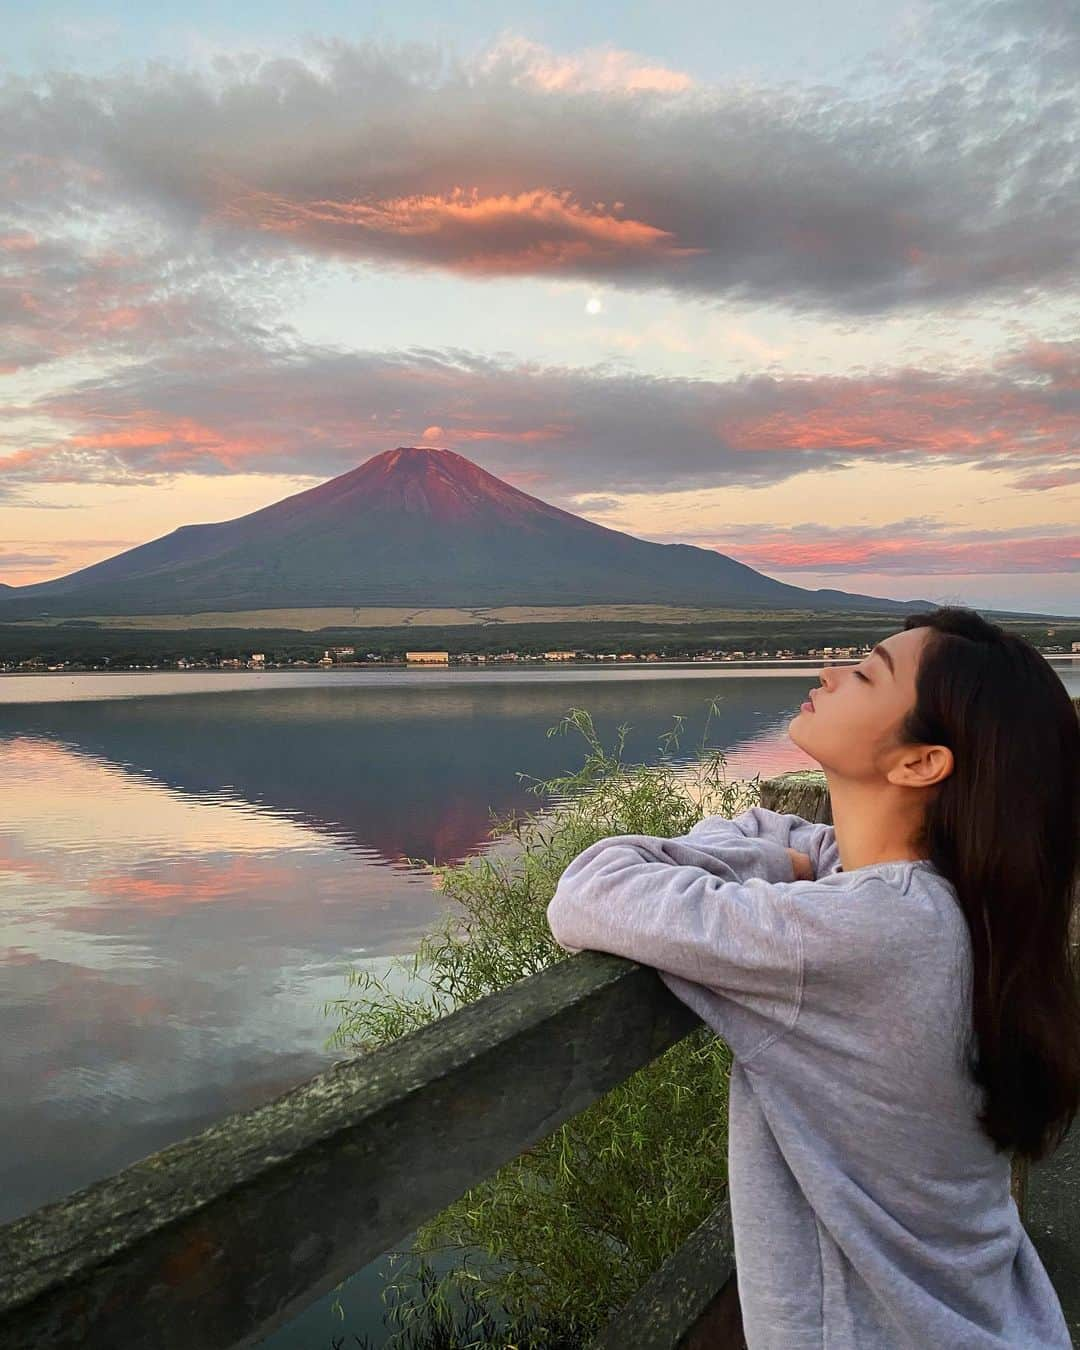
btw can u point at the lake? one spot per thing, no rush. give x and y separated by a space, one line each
190 863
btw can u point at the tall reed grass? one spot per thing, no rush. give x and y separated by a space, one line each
569 1230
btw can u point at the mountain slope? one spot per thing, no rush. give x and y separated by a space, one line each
411 526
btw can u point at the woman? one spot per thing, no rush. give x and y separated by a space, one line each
897 990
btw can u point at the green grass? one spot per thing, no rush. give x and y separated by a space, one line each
575 1225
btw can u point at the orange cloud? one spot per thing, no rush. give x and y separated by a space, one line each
19 242
542 230
183 442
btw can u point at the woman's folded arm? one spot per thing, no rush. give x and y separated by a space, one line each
720 922
714 835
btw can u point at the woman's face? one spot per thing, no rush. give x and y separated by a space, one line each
858 709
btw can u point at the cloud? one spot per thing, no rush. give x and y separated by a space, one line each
498 234
961 183
610 70
553 431
10 560
139 286
152 225
915 547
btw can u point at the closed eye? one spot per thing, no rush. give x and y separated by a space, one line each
862 676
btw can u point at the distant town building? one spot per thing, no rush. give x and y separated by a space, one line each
1076 647
559 656
428 658
257 659
342 651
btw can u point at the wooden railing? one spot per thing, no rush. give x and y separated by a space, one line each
216 1241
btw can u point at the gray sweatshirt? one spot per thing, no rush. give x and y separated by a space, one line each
869 1209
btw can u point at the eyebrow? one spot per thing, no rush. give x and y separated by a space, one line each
883 652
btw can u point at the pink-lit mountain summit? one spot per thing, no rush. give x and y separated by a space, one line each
411 526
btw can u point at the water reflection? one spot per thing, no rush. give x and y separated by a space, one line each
185 880
408 771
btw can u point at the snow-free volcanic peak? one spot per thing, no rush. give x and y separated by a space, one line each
437 483
416 526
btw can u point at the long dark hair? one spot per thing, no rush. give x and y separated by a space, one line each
1003 829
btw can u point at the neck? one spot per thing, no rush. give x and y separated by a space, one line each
874 823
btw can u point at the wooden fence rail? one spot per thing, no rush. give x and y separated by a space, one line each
214 1242
219 1239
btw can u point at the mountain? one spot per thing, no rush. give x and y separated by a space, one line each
411 526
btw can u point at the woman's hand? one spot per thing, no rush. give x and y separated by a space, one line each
804 868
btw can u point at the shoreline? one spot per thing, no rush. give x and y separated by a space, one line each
754 662
434 665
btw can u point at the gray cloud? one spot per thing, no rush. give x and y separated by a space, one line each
141 287
556 433
957 181
13 559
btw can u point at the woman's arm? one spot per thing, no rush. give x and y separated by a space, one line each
714 835
667 904
729 948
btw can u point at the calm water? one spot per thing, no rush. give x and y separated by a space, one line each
190 864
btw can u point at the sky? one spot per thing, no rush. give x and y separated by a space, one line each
799 282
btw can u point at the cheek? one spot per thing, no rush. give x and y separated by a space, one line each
848 727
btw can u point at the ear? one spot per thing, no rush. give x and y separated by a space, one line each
925 766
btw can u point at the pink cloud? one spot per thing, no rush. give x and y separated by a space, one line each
1055 363
323 413
933 415
510 233
21 241
177 444
905 547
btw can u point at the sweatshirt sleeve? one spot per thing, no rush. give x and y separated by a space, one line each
720 930
738 939
715 834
